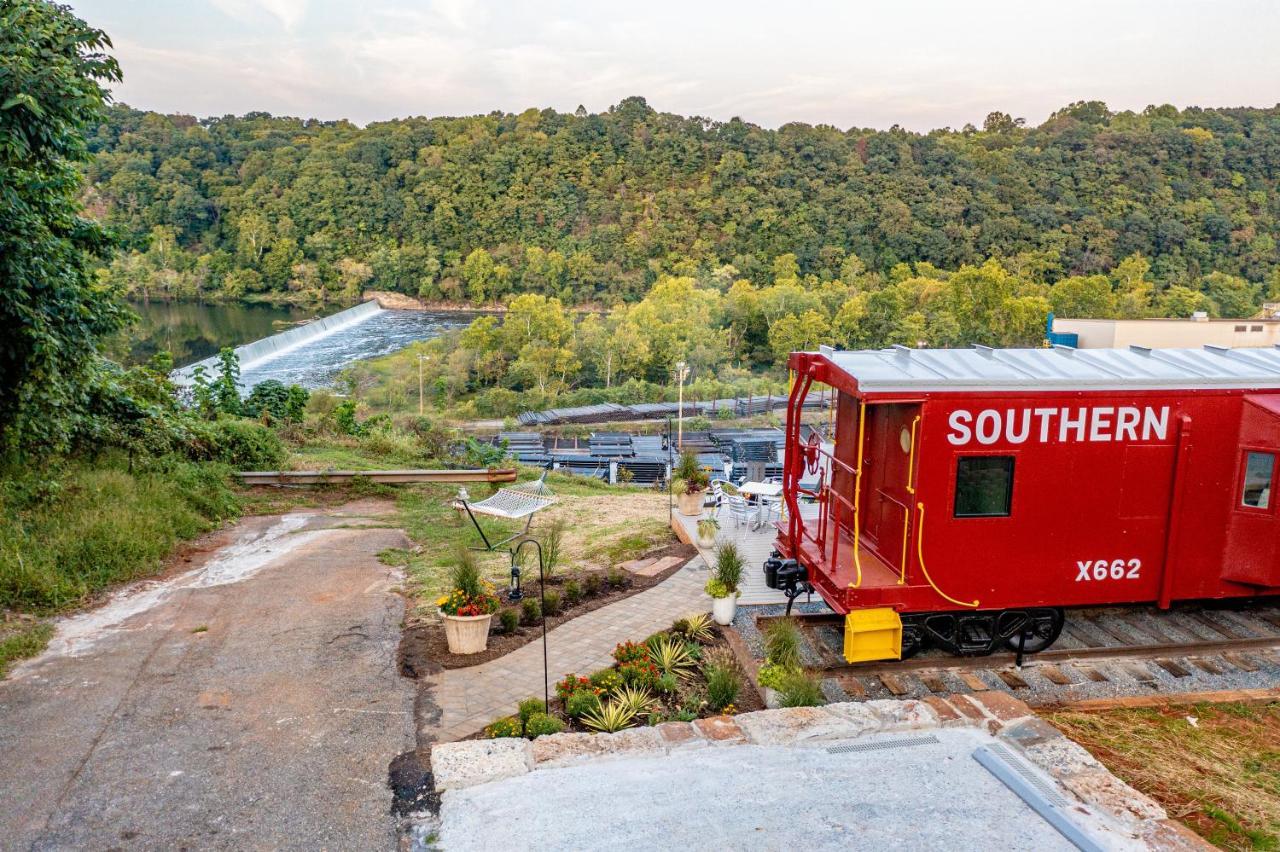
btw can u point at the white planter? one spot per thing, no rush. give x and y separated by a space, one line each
772 698
467 634
690 505
723 609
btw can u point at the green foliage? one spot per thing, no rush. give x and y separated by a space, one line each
530 611
782 642
241 444
607 680
611 716
542 724
527 708
729 567
723 684
581 702
800 689
71 531
508 726
464 575
510 620
671 656
53 77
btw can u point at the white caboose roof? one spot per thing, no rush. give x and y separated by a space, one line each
1058 368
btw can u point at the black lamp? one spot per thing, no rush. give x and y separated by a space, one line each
513 591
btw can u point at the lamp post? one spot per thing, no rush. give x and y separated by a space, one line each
542 595
682 372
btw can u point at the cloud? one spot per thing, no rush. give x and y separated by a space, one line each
288 12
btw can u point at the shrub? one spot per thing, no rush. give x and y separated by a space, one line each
591 584
571 684
572 593
670 656
552 600
530 611
540 724
581 702
723 683
606 680
527 708
510 620
508 727
552 545
782 643
800 689
241 444
616 577
609 717
729 566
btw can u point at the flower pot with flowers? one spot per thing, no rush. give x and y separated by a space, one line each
723 585
468 609
693 482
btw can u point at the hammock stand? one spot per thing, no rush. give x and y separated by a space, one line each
522 501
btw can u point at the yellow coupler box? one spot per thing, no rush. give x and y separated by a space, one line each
872 634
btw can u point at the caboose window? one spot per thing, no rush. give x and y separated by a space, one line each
984 486
1258 468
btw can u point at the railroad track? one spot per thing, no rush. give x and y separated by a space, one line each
1110 652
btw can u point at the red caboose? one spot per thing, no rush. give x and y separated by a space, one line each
970 495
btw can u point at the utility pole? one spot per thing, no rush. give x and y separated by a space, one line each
682 372
420 412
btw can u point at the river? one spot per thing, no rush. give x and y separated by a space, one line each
193 331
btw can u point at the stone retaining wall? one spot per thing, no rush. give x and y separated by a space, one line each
464 764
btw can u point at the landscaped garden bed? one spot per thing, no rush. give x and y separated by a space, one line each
569 594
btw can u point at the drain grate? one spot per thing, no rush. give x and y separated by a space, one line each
898 742
1033 779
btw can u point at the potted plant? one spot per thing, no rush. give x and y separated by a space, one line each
468 609
708 529
723 585
693 481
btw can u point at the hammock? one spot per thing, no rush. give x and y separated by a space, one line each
522 501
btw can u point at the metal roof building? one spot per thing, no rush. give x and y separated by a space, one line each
1058 368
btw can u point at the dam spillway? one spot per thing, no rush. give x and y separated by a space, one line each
312 355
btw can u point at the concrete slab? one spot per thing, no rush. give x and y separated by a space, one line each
920 796
251 701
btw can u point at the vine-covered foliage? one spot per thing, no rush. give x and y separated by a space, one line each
595 207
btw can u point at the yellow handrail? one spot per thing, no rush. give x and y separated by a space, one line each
911 460
920 554
857 497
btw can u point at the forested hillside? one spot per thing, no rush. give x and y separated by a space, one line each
593 208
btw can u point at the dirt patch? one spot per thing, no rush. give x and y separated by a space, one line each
424 643
1214 767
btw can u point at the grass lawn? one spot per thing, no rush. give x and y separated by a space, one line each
1215 767
604 525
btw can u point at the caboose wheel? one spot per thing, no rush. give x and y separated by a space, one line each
1044 625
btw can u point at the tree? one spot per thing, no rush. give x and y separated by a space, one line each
53 69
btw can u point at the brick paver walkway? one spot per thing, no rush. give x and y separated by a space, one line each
473 697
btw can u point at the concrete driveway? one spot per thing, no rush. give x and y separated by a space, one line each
249 701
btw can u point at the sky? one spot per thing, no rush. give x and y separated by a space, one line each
920 64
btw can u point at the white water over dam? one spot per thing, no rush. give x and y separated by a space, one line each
312 355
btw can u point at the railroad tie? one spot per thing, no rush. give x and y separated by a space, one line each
1011 678
1240 661
1092 674
894 684
934 683
1053 674
1173 668
1207 666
